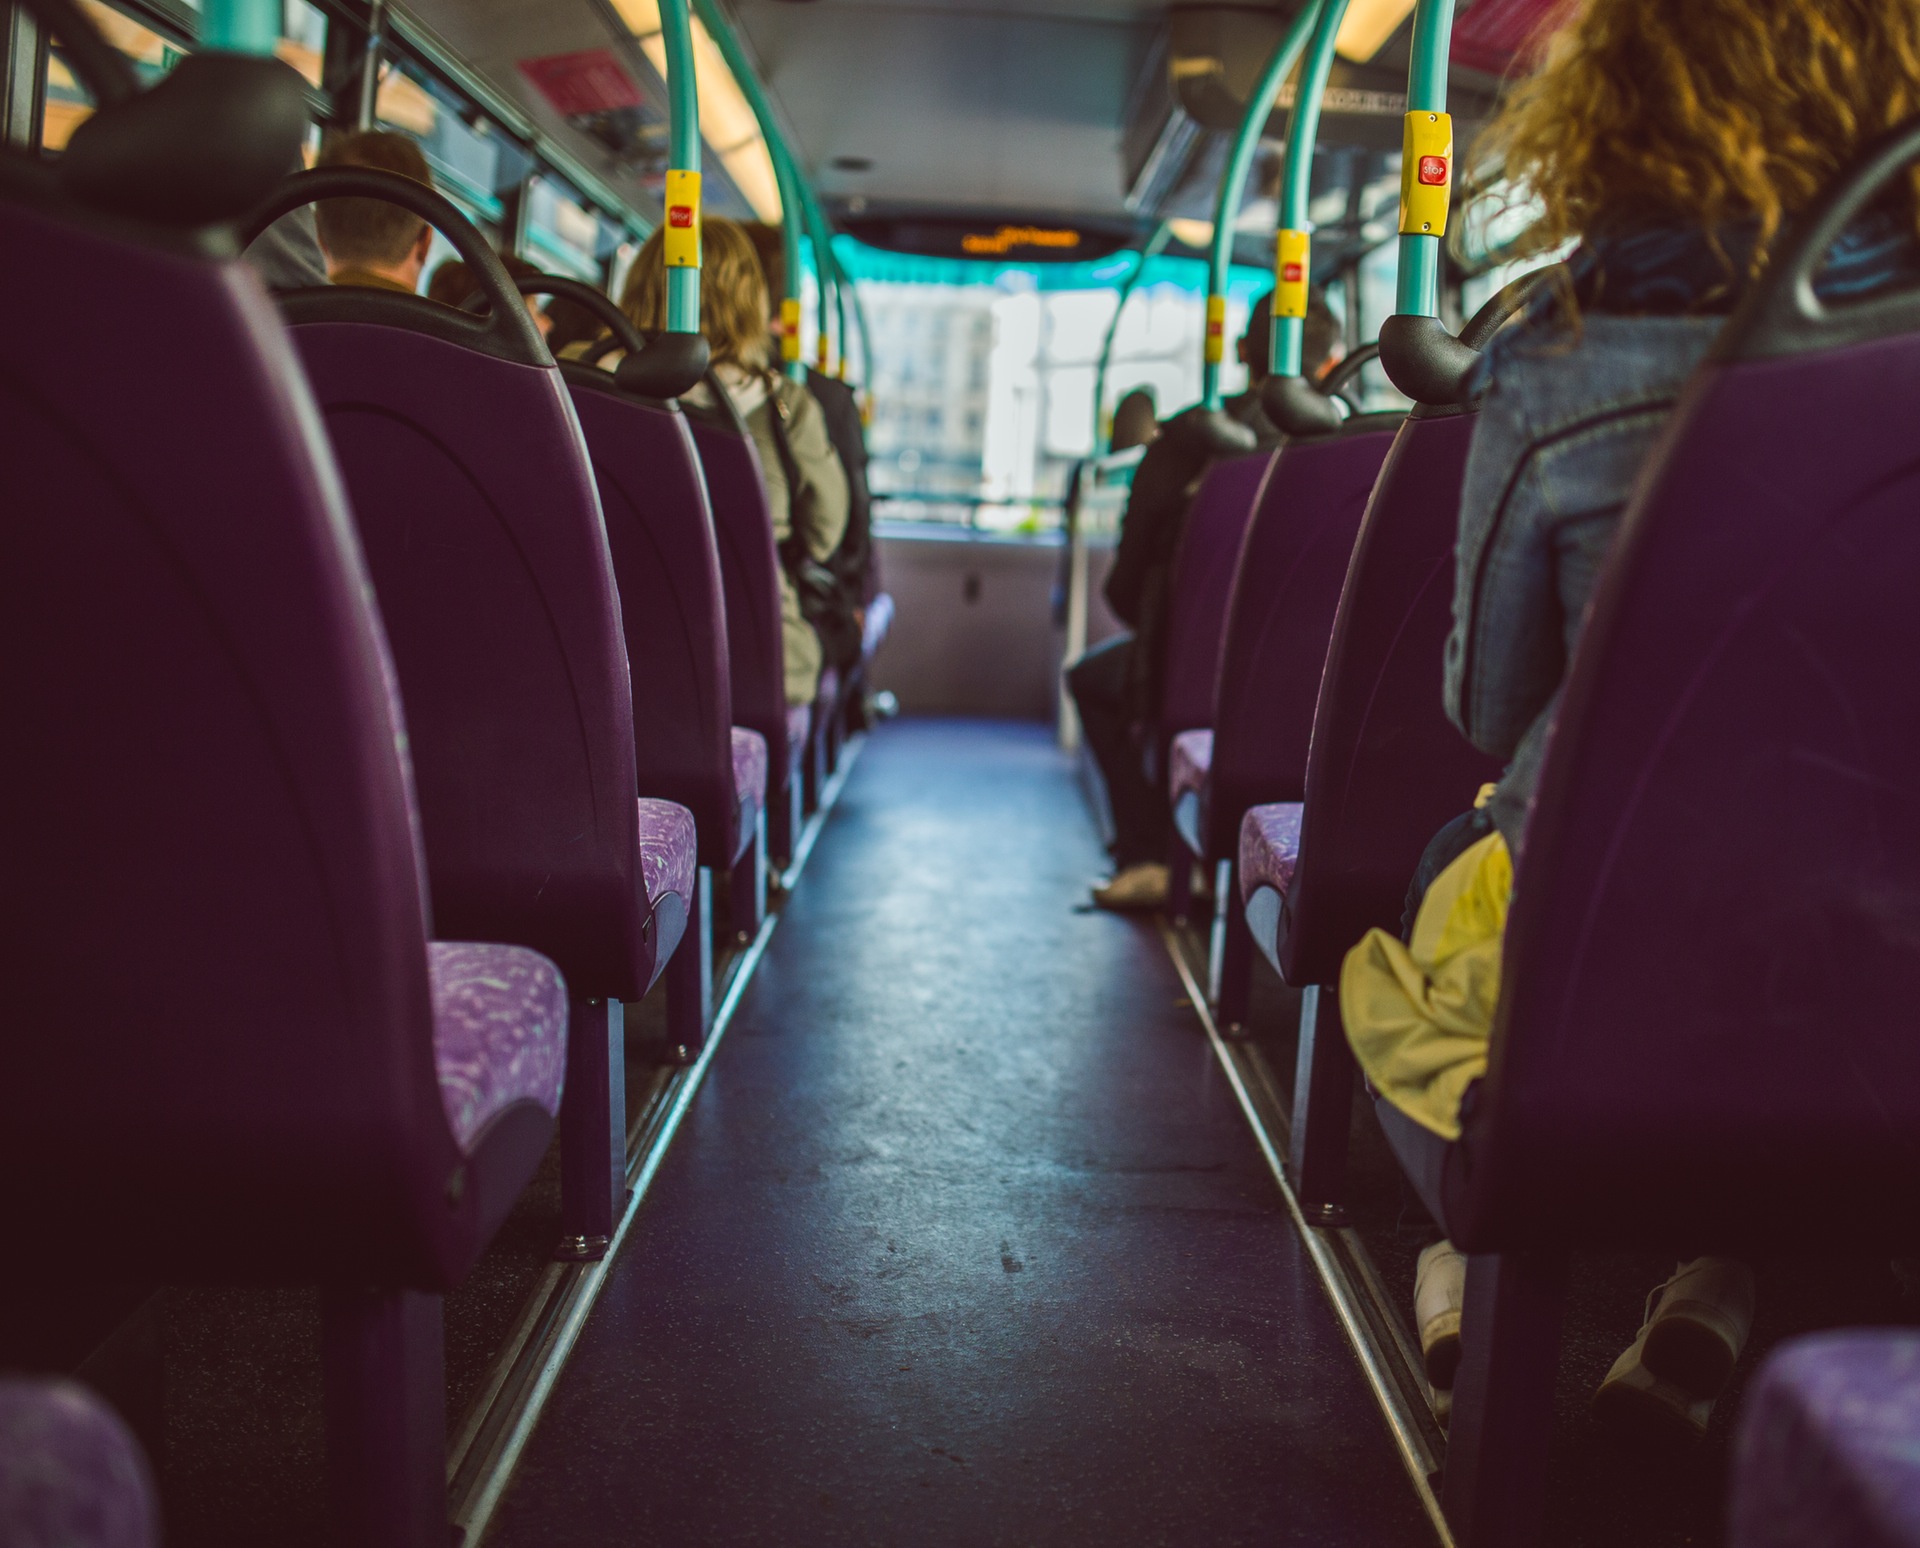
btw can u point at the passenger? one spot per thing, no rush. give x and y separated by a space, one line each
369 242
1135 422
1676 195
1116 685
806 486
453 285
853 562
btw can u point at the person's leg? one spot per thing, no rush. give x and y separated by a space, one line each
1668 1378
1098 682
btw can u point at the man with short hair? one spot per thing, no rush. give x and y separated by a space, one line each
370 242
1116 684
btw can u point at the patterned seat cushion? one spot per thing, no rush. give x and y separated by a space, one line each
499 1031
749 768
1269 847
879 621
799 721
668 847
1829 1445
1188 765
70 1471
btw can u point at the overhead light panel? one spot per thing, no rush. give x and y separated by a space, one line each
727 121
1197 234
1367 25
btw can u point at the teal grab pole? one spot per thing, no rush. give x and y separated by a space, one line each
683 149
240 26
1234 180
1417 291
1151 251
1303 131
792 204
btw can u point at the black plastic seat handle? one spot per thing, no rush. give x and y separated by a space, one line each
507 324
1781 314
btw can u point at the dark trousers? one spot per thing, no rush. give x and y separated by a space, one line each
1098 682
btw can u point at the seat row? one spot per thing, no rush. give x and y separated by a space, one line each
386 703
1703 1034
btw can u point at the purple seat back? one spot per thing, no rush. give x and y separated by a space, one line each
660 533
1386 768
476 504
219 1059
1202 581
1706 1028
71 1472
750 574
1286 585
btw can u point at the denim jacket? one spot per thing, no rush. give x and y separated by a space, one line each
1566 422
1570 414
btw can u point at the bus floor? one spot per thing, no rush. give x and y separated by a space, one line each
964 1239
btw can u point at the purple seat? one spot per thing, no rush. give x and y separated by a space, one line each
749 769
1188 761
1286 585
499 1032
70 1472
1704 1029
667 566
750 574
673 608
1197 595
1268 856
1828 1454
233 1073
477 508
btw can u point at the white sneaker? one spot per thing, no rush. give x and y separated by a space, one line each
1439 1293
1634 1400
1136 889
1697 1328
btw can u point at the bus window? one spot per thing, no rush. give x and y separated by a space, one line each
67 103
563 236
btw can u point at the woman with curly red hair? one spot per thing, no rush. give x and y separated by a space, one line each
1673 143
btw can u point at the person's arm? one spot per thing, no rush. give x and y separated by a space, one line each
819 506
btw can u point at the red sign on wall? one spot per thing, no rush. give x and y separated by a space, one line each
587 82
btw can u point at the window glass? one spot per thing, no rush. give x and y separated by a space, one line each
68 104
563 235
984 374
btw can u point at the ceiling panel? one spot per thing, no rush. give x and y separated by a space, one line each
955 105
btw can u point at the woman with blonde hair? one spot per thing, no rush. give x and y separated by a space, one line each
1673 143
806 486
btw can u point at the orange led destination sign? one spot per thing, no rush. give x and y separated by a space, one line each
1009 237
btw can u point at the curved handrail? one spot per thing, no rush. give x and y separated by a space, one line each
1782 314
663 366
1430 365
1293 403
683 161
506 330
1233 181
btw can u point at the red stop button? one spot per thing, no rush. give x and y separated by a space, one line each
681 215
1292 273
1433 171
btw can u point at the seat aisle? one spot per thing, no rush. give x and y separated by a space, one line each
964 1240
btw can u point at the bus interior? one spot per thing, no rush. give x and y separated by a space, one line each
492 1062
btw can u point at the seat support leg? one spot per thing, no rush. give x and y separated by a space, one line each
689 972
593 1128
1322 1109
1494 1493
747 885
1230 962
384 1356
